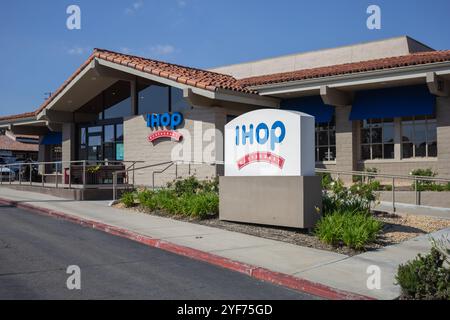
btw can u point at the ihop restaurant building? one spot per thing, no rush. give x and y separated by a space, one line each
382 104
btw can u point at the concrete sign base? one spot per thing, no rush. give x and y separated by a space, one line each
292 201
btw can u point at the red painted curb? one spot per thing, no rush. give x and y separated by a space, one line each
263 274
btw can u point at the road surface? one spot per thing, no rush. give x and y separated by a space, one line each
35 252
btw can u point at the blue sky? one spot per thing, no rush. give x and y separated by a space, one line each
38 52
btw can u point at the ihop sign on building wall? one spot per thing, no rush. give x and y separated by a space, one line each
270 142
165 125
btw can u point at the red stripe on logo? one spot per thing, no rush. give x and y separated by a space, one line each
261 157
165 134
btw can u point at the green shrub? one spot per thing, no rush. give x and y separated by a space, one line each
425 277
426 185
199 205
350 228
192 185
127 199
326 180
357 198
183 201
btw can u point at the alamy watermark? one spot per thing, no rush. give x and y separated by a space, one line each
74 280
374 280
73 21
374 20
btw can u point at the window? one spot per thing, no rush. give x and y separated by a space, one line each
178 103
326 141
377 139
101 142
419 137
94 137
56 156
153 98
117 101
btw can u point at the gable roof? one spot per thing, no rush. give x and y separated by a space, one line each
208 80
349 68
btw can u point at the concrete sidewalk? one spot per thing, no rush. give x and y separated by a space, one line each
323 267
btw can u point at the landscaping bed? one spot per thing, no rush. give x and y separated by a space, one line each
348 225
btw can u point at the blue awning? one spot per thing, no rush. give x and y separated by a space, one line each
393 102
311 105
52 138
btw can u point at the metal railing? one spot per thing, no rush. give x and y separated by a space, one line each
416 181
167 164
38 172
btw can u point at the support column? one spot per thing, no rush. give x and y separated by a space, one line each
68 143
346 146
443 135
134 97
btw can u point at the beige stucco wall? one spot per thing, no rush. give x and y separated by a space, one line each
346 54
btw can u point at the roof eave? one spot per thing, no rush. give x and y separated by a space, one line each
354 79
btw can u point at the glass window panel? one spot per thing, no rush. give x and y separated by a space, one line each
153 99
365 152
109 151
407 131
119 132
332 154
365 136
432 131
432 149
109 133
377 151
95 141
377 135
117 101
388 151
179 104
420 134
421 149
96 129
388 133
323 154
119 152
323 138
332 138
95 153
83 136
365 124
407 150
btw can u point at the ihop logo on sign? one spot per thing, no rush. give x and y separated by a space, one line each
261 134
167 119
270 142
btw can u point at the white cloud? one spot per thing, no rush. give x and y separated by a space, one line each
78 50
162 49
126 50
181 3
134 7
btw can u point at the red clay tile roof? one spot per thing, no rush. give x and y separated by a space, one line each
212 81
18 116
349 68
202 79
6 143
191 76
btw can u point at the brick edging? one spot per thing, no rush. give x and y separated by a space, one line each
259 273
